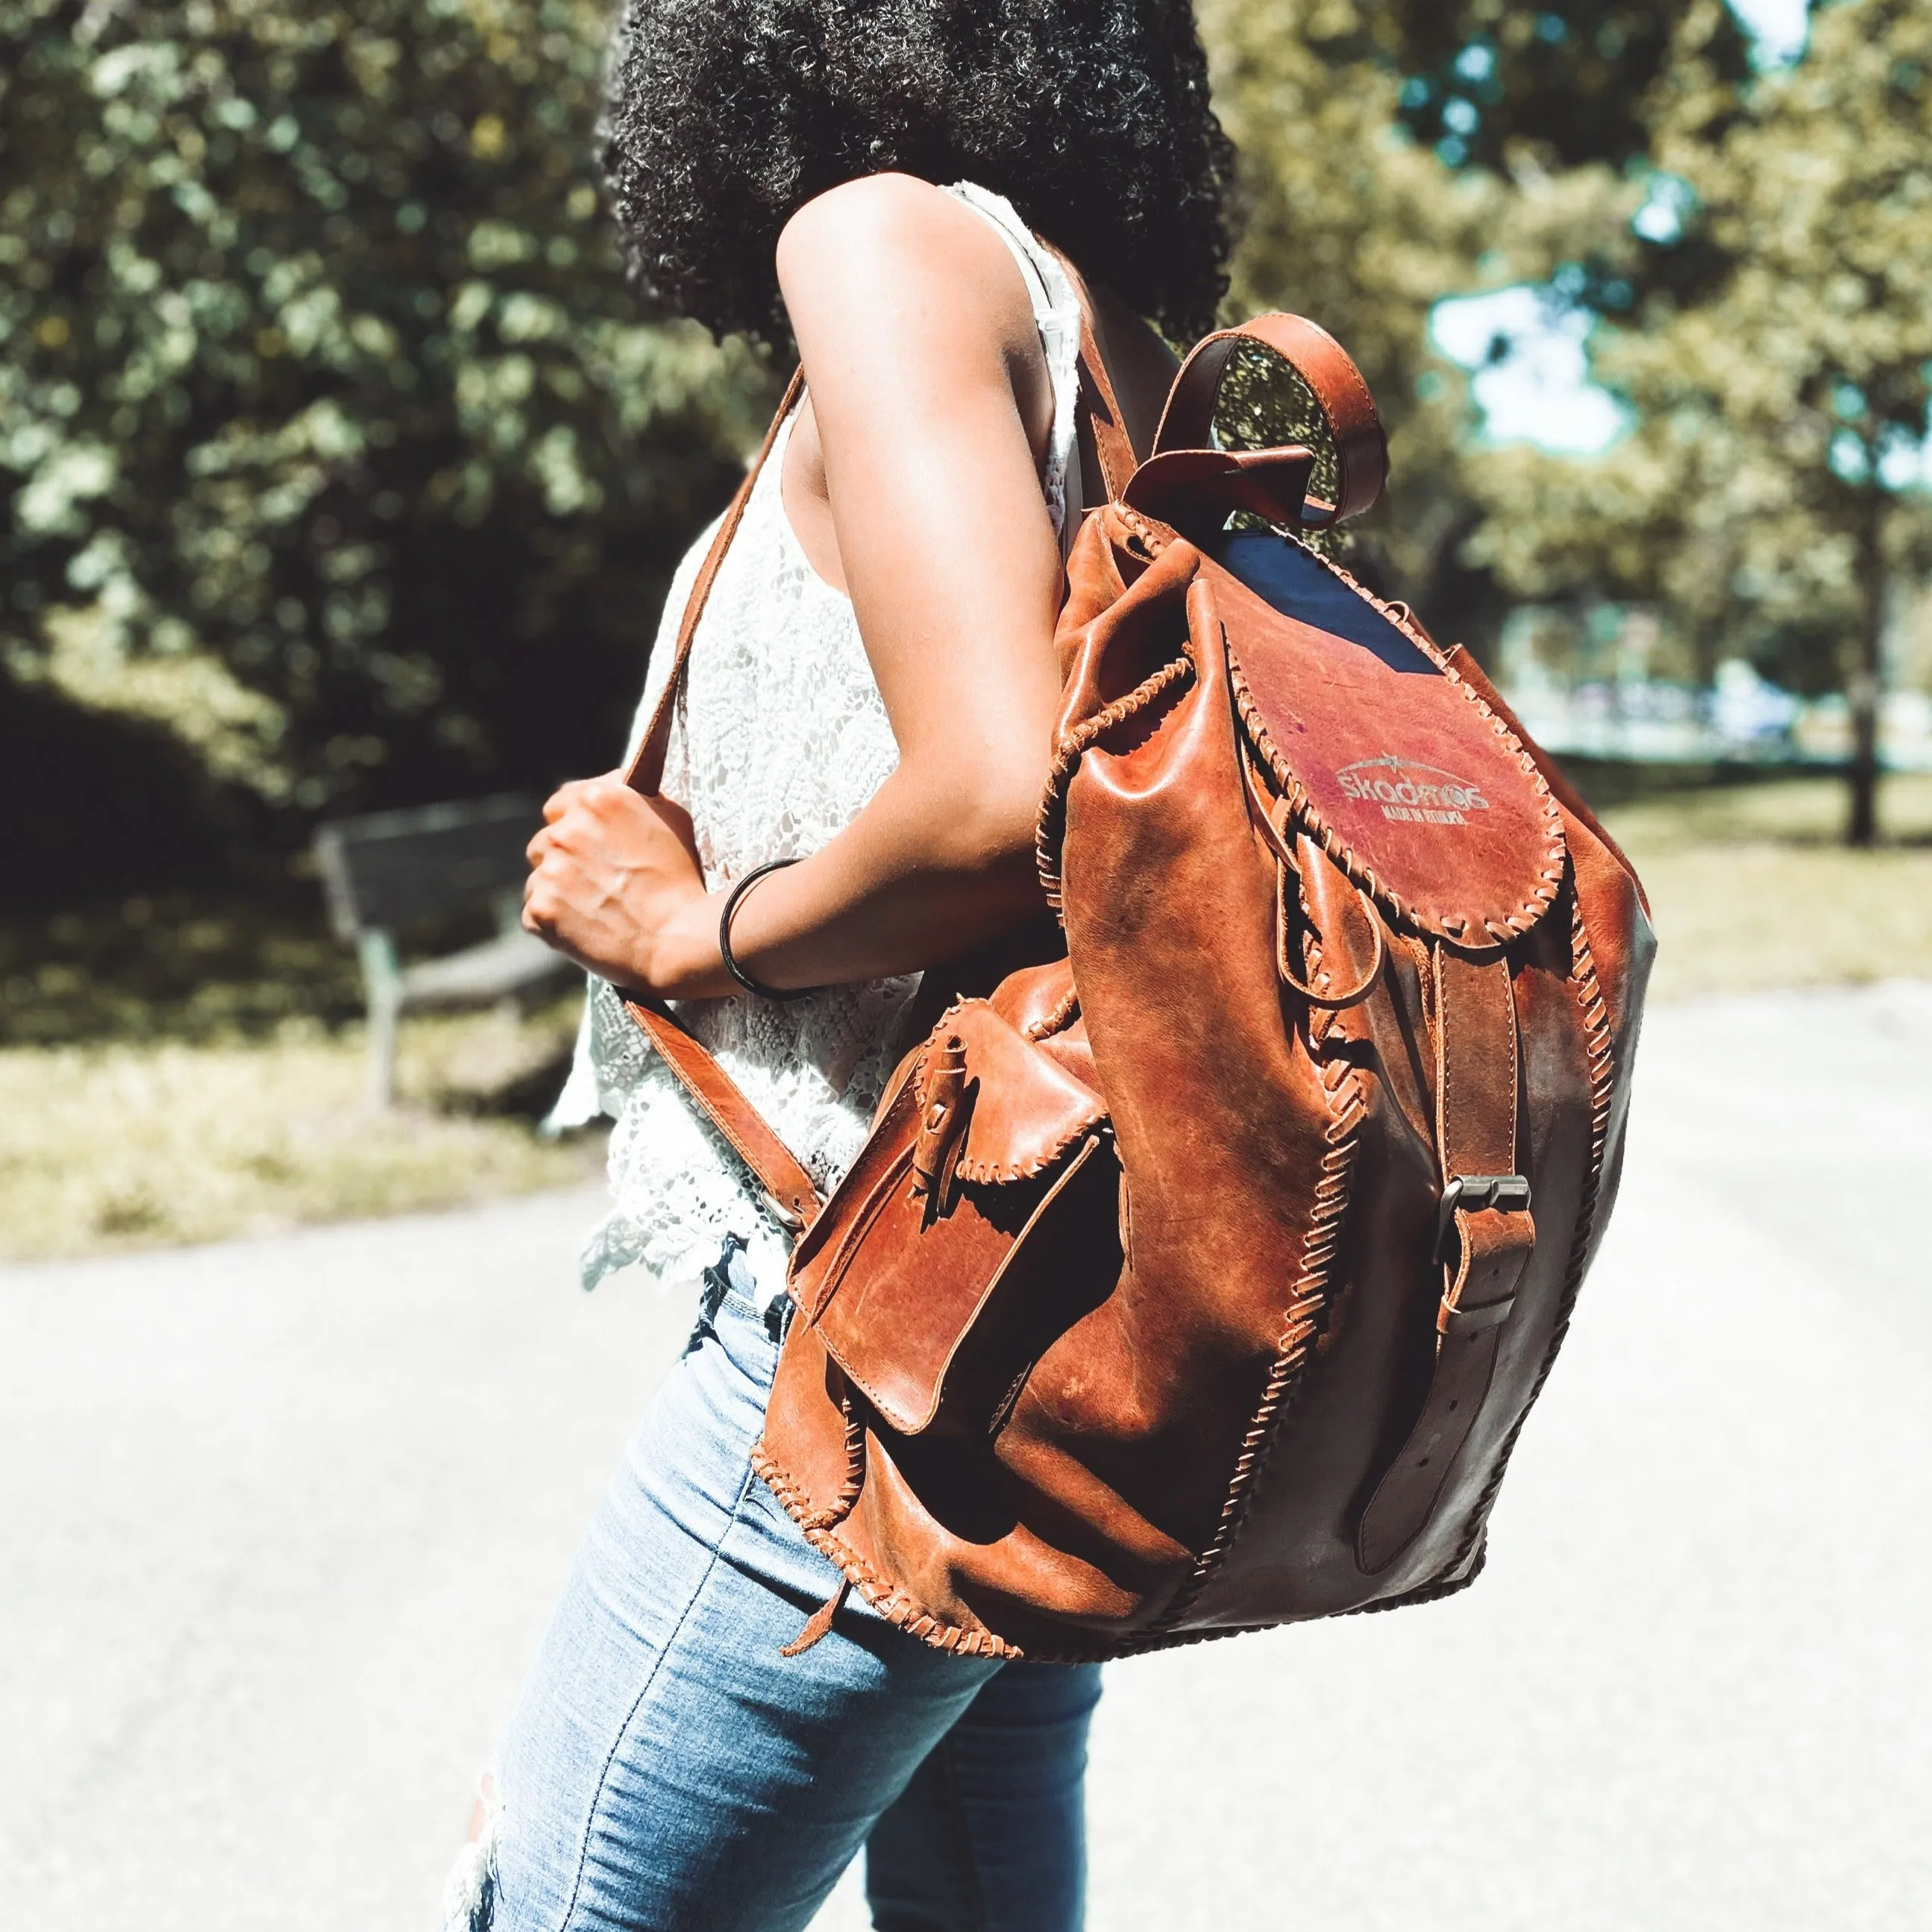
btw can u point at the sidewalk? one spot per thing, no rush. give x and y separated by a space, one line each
280 1521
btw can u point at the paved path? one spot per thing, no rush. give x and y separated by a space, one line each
279 1521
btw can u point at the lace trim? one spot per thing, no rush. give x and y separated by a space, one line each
1056 312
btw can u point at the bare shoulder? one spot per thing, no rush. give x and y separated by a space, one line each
895 239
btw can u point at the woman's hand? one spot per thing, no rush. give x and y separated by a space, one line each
615 885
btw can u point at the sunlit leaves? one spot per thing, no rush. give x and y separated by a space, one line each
315 366
1781 411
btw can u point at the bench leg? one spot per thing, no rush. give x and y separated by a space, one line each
383 988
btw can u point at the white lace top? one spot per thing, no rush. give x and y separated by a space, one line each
779 738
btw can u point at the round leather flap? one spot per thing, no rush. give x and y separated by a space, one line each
1419 791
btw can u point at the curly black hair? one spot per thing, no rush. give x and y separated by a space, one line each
722 117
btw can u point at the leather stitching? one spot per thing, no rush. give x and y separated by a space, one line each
1348 1109
992 1173
1051 826
1062 1017
1449 926
841 1505
904 1611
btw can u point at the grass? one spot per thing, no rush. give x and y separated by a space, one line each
117 1145
1750 887
175 1071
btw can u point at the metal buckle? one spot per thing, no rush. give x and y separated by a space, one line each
787 1218
1509 1193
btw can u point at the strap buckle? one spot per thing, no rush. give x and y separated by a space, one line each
787 1217
1508 1193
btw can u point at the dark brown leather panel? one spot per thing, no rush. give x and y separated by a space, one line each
1477 1127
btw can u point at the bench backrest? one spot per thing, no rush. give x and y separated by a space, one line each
390 869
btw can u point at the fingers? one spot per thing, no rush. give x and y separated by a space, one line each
543 905
577 791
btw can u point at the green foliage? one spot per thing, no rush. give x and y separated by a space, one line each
330 440
1352 220
1773 492
1485 83
328 436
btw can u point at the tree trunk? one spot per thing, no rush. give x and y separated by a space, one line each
1862 691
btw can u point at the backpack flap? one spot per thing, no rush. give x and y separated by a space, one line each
1408 781
938 1271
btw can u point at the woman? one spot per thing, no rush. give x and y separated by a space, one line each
870 692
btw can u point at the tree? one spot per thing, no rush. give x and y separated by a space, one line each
1485 81
1773 489
328 436
1352 219
1348 221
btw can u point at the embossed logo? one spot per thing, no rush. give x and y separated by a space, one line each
1412 793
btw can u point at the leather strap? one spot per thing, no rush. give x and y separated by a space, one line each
789 1188
1361 449
793 1197
1476 1103
1111 444
645 772
786 1185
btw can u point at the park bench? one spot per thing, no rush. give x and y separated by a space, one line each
390 871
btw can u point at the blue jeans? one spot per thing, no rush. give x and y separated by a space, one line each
666 1768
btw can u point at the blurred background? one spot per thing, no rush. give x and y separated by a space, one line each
339 479
340 488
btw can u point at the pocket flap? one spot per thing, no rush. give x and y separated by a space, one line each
936 1273
1026 1109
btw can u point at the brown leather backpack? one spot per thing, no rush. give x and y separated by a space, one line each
1200 1280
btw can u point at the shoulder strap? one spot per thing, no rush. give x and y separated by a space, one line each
787 1186
645 772
1111 444
1487 1236
1361 449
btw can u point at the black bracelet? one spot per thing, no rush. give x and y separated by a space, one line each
731 966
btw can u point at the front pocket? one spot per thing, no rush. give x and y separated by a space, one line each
978 1226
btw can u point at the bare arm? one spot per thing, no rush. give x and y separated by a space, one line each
930 403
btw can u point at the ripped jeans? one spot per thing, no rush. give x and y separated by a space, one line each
666 1770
